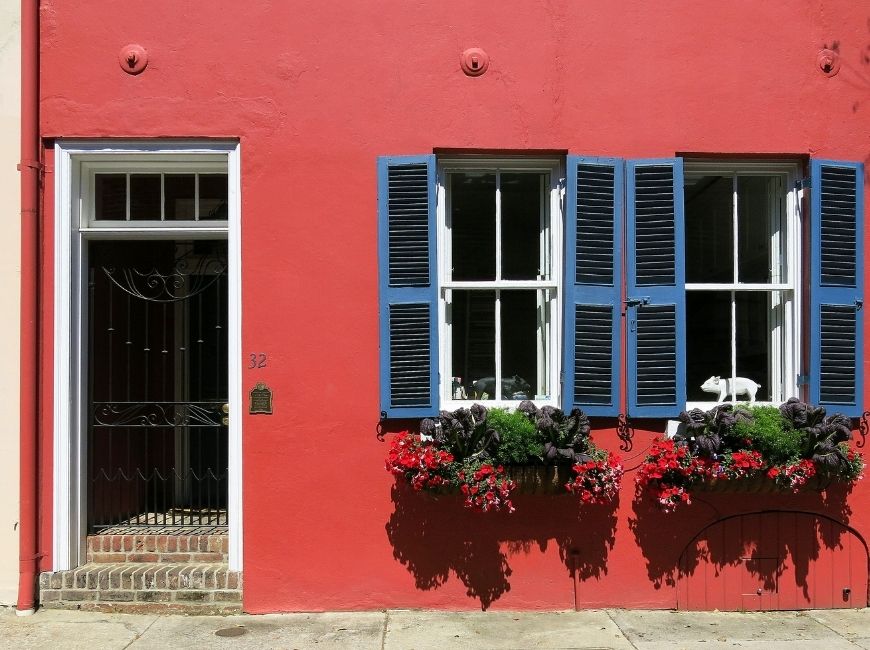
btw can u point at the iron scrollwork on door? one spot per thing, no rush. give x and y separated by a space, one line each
157 414
186 279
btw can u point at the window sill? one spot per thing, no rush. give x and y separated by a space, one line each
509 405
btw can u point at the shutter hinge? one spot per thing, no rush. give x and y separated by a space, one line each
858 304
803 184
803 380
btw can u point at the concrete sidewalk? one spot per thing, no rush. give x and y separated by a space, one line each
420 630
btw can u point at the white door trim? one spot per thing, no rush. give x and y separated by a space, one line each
69 439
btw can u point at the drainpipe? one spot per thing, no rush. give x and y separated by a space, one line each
30 168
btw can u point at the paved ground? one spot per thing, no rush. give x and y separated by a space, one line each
420 630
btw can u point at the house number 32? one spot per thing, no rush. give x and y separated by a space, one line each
257 360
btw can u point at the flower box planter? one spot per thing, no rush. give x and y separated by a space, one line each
529 479
754 450
540 479
762 484
473 452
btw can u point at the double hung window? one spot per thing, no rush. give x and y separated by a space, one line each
498 280
742 267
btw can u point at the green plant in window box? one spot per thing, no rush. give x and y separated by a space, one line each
763 448
493 452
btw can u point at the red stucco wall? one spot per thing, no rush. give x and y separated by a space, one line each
315 92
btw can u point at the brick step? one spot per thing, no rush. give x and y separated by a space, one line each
145 587
157 548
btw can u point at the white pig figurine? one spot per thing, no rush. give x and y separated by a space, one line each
742 386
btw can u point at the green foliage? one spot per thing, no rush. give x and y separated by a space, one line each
519 441
769 433
853 468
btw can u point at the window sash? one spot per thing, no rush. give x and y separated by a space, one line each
784 356
550 256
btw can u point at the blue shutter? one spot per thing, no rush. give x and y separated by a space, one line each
837 286
593 285
407 286
656 288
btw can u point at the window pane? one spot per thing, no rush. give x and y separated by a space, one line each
472 225
708 341
145 197
472 315
110 201
754 329
523 339
213 197
180 196
709 229
521 224
757 215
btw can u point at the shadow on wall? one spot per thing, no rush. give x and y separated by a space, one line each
434 536
784 529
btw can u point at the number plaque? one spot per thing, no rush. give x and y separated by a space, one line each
261 400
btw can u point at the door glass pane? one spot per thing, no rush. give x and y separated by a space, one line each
709 229
472 317
213 196
755 217
523 342
180 196
708 341
145 197
110 201
472 225
521 225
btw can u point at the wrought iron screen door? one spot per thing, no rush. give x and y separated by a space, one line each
157 384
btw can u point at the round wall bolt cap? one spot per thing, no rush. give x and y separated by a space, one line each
474 61
828 61
133 59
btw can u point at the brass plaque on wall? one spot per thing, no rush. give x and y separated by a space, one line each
261 400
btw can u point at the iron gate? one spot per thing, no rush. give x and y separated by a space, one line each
157 384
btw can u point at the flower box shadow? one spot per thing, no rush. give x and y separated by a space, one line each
433 536
666 539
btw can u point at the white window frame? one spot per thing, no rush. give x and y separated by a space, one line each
76 161
790 172
554 168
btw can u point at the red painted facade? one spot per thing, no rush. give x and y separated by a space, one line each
314 93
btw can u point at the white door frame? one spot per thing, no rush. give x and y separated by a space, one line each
70 423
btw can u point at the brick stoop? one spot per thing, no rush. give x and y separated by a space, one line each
144 587
158 548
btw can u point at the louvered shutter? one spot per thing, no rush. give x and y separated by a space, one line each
593 284
837 286
407 285
656 288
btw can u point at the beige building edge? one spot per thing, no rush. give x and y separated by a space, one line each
10 257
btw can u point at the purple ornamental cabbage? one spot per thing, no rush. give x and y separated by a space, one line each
464 432
821 435
566 437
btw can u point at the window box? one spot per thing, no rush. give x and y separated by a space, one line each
540 479
487 456
527 479
761 484
794 448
